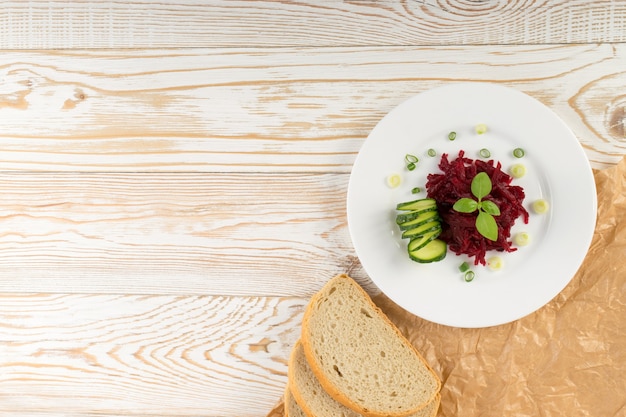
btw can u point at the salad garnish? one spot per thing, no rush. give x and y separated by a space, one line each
495 263
485 222
521 239
518 170
394 180
541 206
484 153
419 222
464 267
481 128
411 161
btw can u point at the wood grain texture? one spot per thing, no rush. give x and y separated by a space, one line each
272 110
174 174
227 234
78 355
40 24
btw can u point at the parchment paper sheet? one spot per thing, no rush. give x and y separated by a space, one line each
566 359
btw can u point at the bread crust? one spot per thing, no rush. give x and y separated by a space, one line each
437 401
334 391
287 397
292 389
295 393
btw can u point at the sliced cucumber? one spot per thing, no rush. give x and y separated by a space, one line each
411 215
435 250
421 230
416 205
420 223
420 242
424 217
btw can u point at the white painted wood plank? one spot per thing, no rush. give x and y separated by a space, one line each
227 234
126 355
189 155
39 24
272 110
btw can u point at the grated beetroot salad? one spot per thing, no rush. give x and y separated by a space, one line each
459 229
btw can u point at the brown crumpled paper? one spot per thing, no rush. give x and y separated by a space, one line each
566 359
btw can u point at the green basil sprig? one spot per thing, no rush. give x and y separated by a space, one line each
485 223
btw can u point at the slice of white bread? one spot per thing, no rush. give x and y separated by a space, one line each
292 409
309 394
359 356
307 390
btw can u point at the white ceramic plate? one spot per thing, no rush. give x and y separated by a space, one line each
557 171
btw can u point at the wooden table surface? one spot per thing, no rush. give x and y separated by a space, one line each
174 174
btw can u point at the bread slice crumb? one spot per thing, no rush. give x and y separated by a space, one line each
359 356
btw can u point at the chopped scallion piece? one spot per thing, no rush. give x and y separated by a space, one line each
484 153
452 135
518 171
464 267
432 152
541 206
410 160
394 180
518 152
495 263
469 276
416 190
521 239
481 128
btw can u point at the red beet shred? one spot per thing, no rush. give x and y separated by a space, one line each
459 229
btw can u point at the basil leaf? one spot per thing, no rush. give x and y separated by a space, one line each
486 226
490 207
465 205
481 185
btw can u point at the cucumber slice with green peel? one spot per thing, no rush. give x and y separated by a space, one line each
421 230
419 222
411 215
422 218
420 242
415 205
435 250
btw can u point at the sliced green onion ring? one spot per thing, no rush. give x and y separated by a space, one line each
484 152
495 263
432 152
541 206
452 135
394 180
464 267
518 171
518 153
469 276
410 160
416 190
522 239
